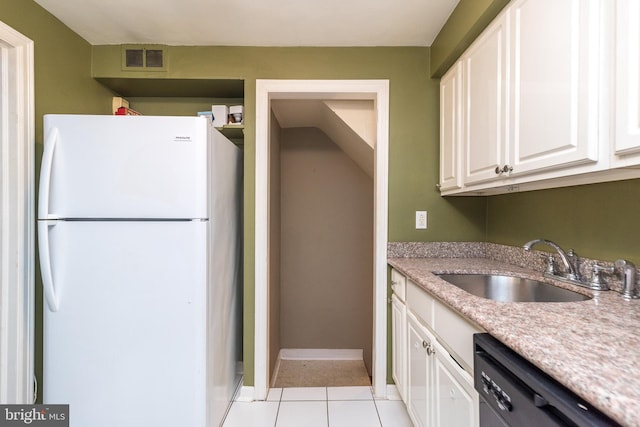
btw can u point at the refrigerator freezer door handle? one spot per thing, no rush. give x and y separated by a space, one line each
45 173
45 264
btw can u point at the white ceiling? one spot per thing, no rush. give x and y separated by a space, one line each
255 22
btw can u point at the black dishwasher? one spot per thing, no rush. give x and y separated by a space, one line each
513 392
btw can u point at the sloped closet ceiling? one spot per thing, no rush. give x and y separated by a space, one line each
350 124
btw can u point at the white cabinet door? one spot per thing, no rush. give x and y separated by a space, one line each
456 401
419 373
627 112
440 391
399 345
451 128
554 83
484 104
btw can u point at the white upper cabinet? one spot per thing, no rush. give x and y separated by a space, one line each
484 73
450 128
554 83
542 103
627 84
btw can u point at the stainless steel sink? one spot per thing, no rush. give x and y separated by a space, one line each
511 289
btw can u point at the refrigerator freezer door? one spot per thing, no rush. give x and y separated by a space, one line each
127 345
124 167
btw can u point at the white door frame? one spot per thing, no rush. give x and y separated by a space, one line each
16 217
267 90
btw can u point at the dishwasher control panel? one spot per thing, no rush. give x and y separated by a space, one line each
493 390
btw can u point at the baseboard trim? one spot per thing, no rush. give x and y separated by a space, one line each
320 354
246 394
392 392
276 371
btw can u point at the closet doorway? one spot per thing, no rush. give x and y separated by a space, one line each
321 223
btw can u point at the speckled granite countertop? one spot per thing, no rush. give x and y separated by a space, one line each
592 347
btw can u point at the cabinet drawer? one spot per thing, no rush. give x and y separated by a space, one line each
420 303
398 284
456 334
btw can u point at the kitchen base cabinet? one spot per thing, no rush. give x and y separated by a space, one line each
440 392
419 372
435 358
399 333
398 345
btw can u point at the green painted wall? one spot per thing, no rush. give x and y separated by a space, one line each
413 149
63 84
599 221
466 22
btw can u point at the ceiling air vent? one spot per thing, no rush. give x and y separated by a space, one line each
144 58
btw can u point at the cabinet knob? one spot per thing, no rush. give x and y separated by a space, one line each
505 169
428 347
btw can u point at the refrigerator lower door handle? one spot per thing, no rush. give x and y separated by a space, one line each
45 264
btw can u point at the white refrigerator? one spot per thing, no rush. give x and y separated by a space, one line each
139 232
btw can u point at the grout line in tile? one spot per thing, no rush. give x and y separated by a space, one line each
275 422
377 412
327 406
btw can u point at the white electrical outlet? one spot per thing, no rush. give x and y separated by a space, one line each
421 220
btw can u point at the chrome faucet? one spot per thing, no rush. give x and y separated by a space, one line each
572 272
630 288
